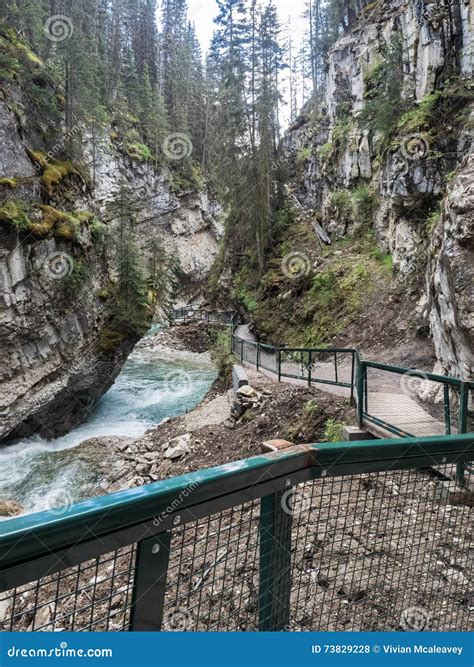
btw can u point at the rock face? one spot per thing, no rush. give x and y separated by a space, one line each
332 150
450 277
56 361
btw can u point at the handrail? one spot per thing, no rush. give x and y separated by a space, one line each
357 382
37 535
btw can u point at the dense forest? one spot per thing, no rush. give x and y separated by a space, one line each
146 77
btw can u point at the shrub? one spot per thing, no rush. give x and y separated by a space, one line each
333 431
304 155
422 115
365 202
325 151
384 104
139 151
222 356
341 201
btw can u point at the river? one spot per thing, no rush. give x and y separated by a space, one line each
41 474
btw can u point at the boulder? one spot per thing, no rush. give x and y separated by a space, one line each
177 447
10 508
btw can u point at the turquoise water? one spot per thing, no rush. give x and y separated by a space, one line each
41 474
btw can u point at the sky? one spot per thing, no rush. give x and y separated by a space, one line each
203 12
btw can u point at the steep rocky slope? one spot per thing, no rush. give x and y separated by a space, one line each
376 239
59 245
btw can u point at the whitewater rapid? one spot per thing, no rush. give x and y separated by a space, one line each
41 474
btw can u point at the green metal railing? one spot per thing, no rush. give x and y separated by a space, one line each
314 537
211 316
390 400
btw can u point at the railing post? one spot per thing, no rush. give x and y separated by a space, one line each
447 411
310 367
275 563
241 350
353 377
279 364
258 356
361 371
462 427
149 584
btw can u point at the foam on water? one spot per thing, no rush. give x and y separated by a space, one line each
41 474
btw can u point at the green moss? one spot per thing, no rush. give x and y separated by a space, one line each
103 294
9 183
15 56
139 151
15 215
62 224
110 340
53 171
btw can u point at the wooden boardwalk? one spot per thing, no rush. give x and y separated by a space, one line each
386 399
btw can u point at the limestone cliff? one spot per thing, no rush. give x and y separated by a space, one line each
381 143
58 251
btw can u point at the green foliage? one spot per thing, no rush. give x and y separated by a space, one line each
243 292
304 155
139 151
365 201
422 115
433 221
341 201
333 431
324 293
163 275
97 230
285 217
326 150
384 104
76 279
222 356
15 215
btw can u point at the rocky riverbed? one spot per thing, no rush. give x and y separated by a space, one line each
221 429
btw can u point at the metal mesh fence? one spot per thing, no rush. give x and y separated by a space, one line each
380 551
268 358
250 352
411 403
94 596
